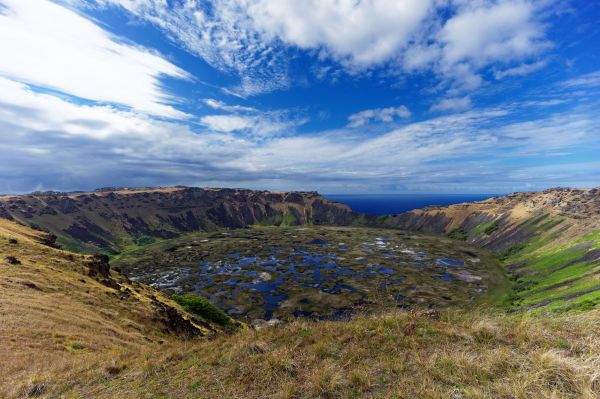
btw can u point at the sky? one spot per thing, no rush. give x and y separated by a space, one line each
338 96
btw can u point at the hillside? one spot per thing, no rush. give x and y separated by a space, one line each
549 241
73 326
72 318
65 333
110 220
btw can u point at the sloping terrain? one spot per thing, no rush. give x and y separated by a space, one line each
110 220
549 241
67 318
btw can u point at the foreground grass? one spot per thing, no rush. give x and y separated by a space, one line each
395 354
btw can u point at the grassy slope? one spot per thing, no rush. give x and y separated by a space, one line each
557 276
61 328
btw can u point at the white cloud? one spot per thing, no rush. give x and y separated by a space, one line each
227 123
44 44
451 104
216 104
485 33
588 80
257 39
58 144
254 123
544 103
378 115
249 121
359 33
498 31
219 33
523 69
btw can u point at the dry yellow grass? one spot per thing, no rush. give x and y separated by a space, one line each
393 355
74 339
60 326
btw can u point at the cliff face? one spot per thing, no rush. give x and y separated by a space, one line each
113 219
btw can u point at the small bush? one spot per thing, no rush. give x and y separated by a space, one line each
458 234
145 240
202 307
490 229
511 251
11 260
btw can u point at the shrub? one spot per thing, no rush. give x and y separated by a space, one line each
145 240
11 260
490 229
458 234
202 307
511 251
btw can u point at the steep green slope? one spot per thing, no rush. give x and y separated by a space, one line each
548 241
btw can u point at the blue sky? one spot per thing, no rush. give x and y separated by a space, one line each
340 96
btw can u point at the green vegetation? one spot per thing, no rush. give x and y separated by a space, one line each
318 270
70 244
458 234
362 220
145 240
285 219
486 228
37 227
511 251
202 307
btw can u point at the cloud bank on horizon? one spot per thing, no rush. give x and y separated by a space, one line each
485 96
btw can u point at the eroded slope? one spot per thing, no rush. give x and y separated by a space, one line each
114 219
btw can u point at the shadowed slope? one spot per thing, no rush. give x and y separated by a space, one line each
113 219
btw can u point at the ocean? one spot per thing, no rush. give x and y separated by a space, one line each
384 204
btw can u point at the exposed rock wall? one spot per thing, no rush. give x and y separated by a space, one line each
115 219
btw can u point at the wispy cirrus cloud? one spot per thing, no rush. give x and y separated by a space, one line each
220 33
591 79
52 47
520 70
249 120
378 115
452 104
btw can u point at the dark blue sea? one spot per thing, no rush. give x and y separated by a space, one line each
384 204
